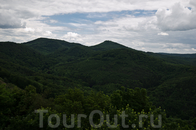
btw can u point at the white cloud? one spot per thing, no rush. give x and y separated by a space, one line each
163 34
53 21
176 18
193 49
128 23
48 33
29 29
72 37
8 19
34 29
78 24
142 33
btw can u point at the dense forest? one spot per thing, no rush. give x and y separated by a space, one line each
70 78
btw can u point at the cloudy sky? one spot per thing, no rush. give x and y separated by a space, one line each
147 25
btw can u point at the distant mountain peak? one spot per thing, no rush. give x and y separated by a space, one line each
43 39
108 45
109 42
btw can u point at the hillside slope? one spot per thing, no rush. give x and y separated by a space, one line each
53 66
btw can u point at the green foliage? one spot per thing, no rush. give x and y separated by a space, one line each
41 74
136 99
179 92
6 102
74 102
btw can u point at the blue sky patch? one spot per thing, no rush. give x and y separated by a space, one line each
88 18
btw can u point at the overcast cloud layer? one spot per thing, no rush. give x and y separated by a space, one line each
150 25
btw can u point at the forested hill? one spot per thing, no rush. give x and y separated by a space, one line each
47 46
53 66
108 45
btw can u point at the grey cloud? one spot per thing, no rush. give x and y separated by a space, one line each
193 3
8 19
25 14
49 7
10 26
